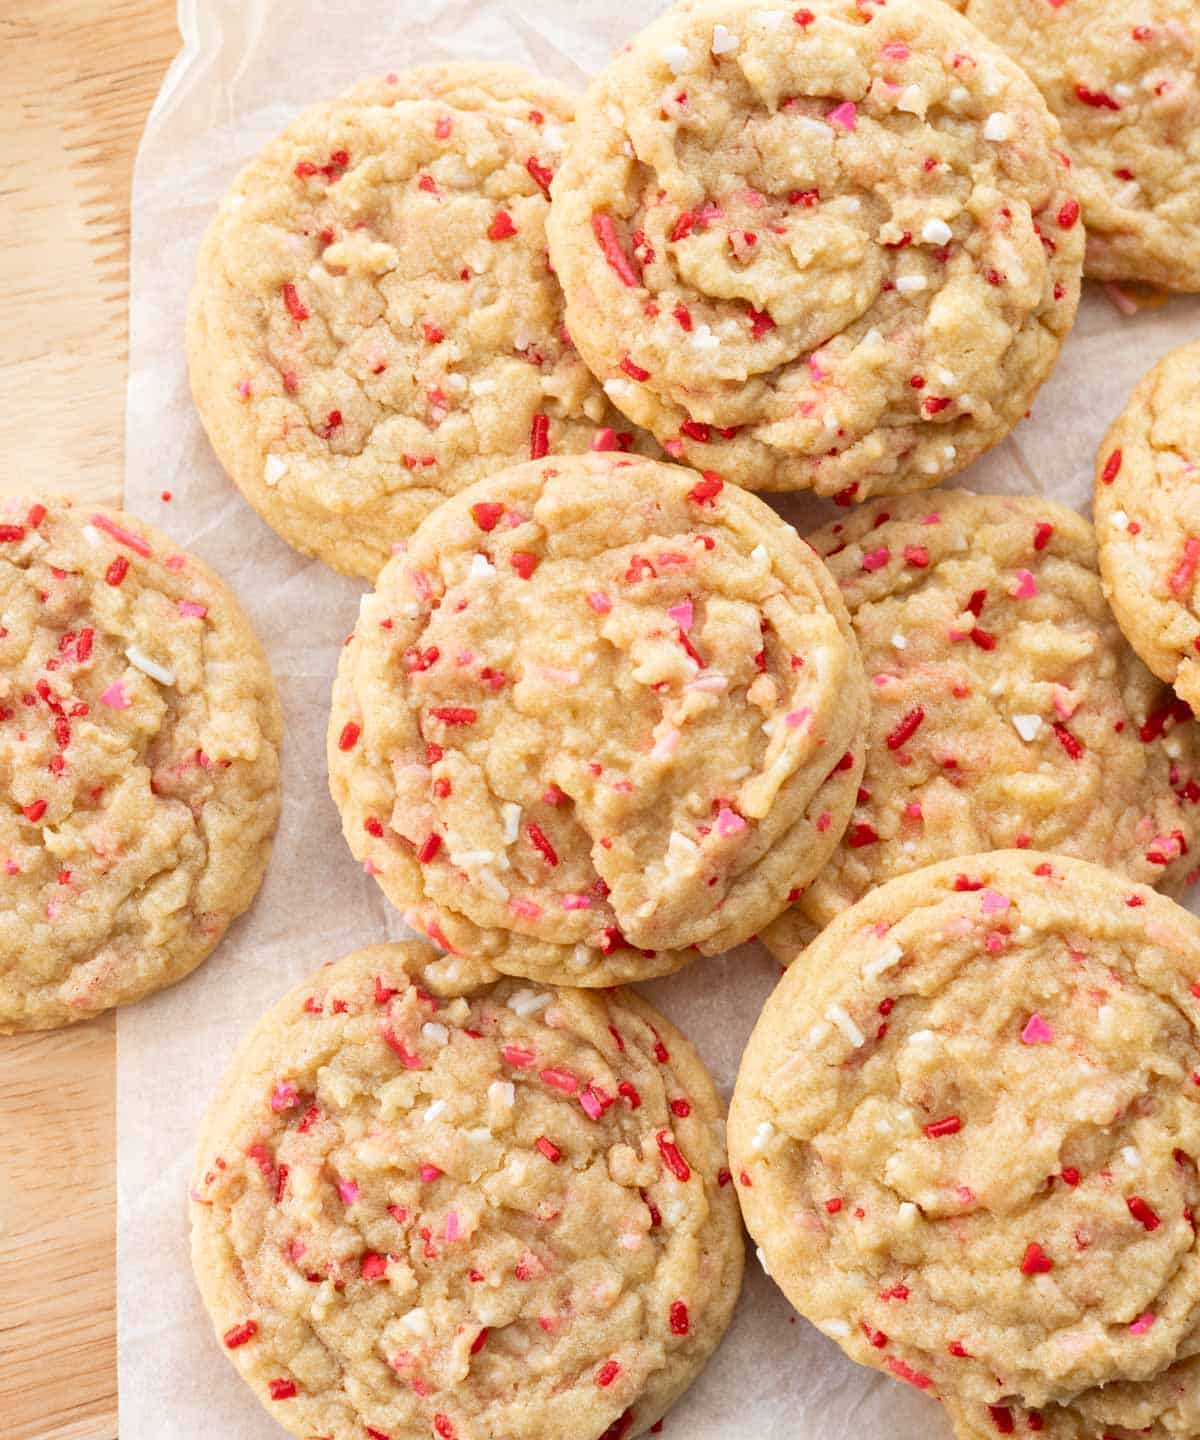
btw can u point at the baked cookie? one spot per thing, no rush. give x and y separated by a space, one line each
1007 709
967 1126
428 1205
1124 81
1147 507
139 745
1165 1408
831 248
601 711
374 323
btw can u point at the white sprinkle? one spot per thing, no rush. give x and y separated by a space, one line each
491 883
912 100
899 642
510 814
479 1133
469 859
948 450
502 1093
818 1033
1028 727
91 535
936 232
481 566
762 1259
1131 1157
703 338
762 1137
483 387
434 1111
416 1322
615 389
528 1002
870 339
1119 520
581 958
759 554
724 42
809 123
835 1329
873 969
676 56
906 1215
1123 91
436 1034
457 384
959 95
838 1015
998 126
682 853
138 657
921 1037
882 1127
911 284
1173 748
274 470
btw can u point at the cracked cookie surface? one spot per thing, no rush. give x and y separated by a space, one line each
769 222
139 745
1007 710
434 1201
1124 81
599 712
967 1128
1147 506
374 323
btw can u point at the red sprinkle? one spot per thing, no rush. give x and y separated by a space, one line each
906 729
429 848
1035 1261
1142 1213
502 227
1112 467
706 489
549 1149
634 370
348 739
673 1160
486 514
936 1129
542 174
1069 742
455 714
1042 532
860 835
296 307
539 437
239 1334
1185 572
605 232
1097 99
282 1389
679 1318
907 1373
524 563
1002 1418
537 838
607 1373
1069 214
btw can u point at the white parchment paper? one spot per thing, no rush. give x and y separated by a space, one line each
246 68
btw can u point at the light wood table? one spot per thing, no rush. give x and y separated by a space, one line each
76 81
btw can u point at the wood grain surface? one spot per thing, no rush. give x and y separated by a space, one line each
76 80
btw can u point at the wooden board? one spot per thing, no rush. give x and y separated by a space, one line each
77 79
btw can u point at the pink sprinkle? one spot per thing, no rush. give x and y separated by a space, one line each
11 867
816 370
371 868
995 942
845 115
824 819
1142 1324
560 1079
1123 301
605 439
284 1096
896 50
932 519
451 1227
666 744
428 1173
175 562
795 718
674 449
876 559
1037 1032
119 533
526 909
729 822
1026 586
913 810
992 902
576 902
115 697
682 614
193 608
513 1055
348 1190
599 602
592 1107
1064 702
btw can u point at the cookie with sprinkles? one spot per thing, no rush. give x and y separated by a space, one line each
1147 507
1007 708
431 1201
374 323
1123 78
967 1128
769 221
140 733
602 713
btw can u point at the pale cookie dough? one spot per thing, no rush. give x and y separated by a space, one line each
1007 708
770 221
1123 78
427 1205
1147 506
374 323
139 749
600 711
1165 1408
966 1129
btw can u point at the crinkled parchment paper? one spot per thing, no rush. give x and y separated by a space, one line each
247 67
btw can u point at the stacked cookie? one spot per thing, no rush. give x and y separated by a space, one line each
519 364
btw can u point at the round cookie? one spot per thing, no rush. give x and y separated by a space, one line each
967 1126
139 744
430 1205
1007 709
832 248
1124 81
374 323
599 712
1147 507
